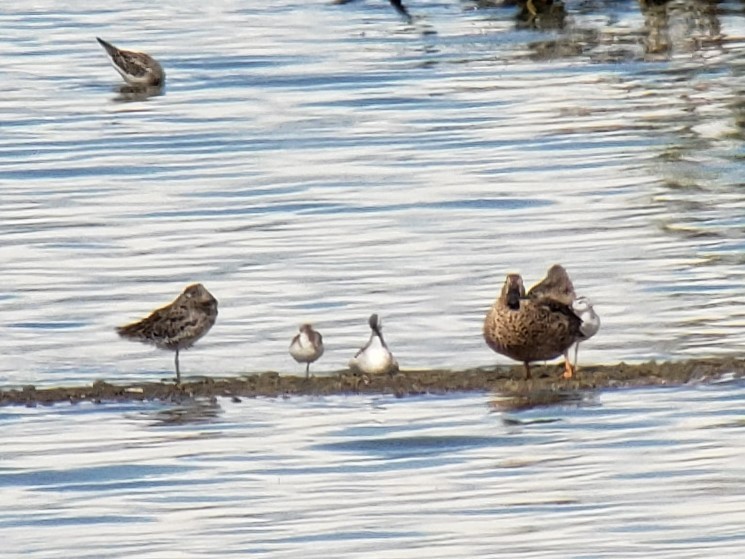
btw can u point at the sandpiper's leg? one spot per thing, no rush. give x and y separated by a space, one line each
178 372
527 370
307 370
576 350
401 9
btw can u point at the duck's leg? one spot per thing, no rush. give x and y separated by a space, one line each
568 368
527 371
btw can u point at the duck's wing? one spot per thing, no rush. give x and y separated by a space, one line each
563 311
555 285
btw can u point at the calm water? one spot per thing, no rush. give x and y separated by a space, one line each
320 162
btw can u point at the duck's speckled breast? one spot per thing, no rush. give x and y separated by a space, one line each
534 332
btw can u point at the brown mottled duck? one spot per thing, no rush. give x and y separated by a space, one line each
533 328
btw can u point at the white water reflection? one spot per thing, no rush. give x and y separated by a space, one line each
655 472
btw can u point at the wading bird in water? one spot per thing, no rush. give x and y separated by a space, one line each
138 69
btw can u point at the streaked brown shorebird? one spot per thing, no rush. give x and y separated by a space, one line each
531 329
178 325
306 346
374 357
138 69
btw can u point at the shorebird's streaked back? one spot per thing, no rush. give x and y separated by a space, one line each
178 325
137 68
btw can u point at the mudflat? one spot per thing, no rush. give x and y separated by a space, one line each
545 388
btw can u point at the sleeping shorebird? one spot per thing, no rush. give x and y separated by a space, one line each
138 69
178 325
582 307
374 357
533 328
306 346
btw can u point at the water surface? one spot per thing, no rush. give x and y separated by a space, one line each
653 472
311 161
322 162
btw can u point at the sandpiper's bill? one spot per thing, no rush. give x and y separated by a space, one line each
374 357
306 346
178 325
138 69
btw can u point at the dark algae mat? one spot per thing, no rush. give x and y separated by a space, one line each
546 387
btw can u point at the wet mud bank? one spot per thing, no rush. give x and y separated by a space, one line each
545 388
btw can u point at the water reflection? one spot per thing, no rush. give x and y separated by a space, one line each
419 477
669 28
127 93
529 14
673 27
530 399
190 411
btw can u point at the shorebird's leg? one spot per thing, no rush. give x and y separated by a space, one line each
178 372
307 370
527 370
401 9
576 350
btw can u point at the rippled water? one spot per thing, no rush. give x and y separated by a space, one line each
637 473
312 161
320 162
